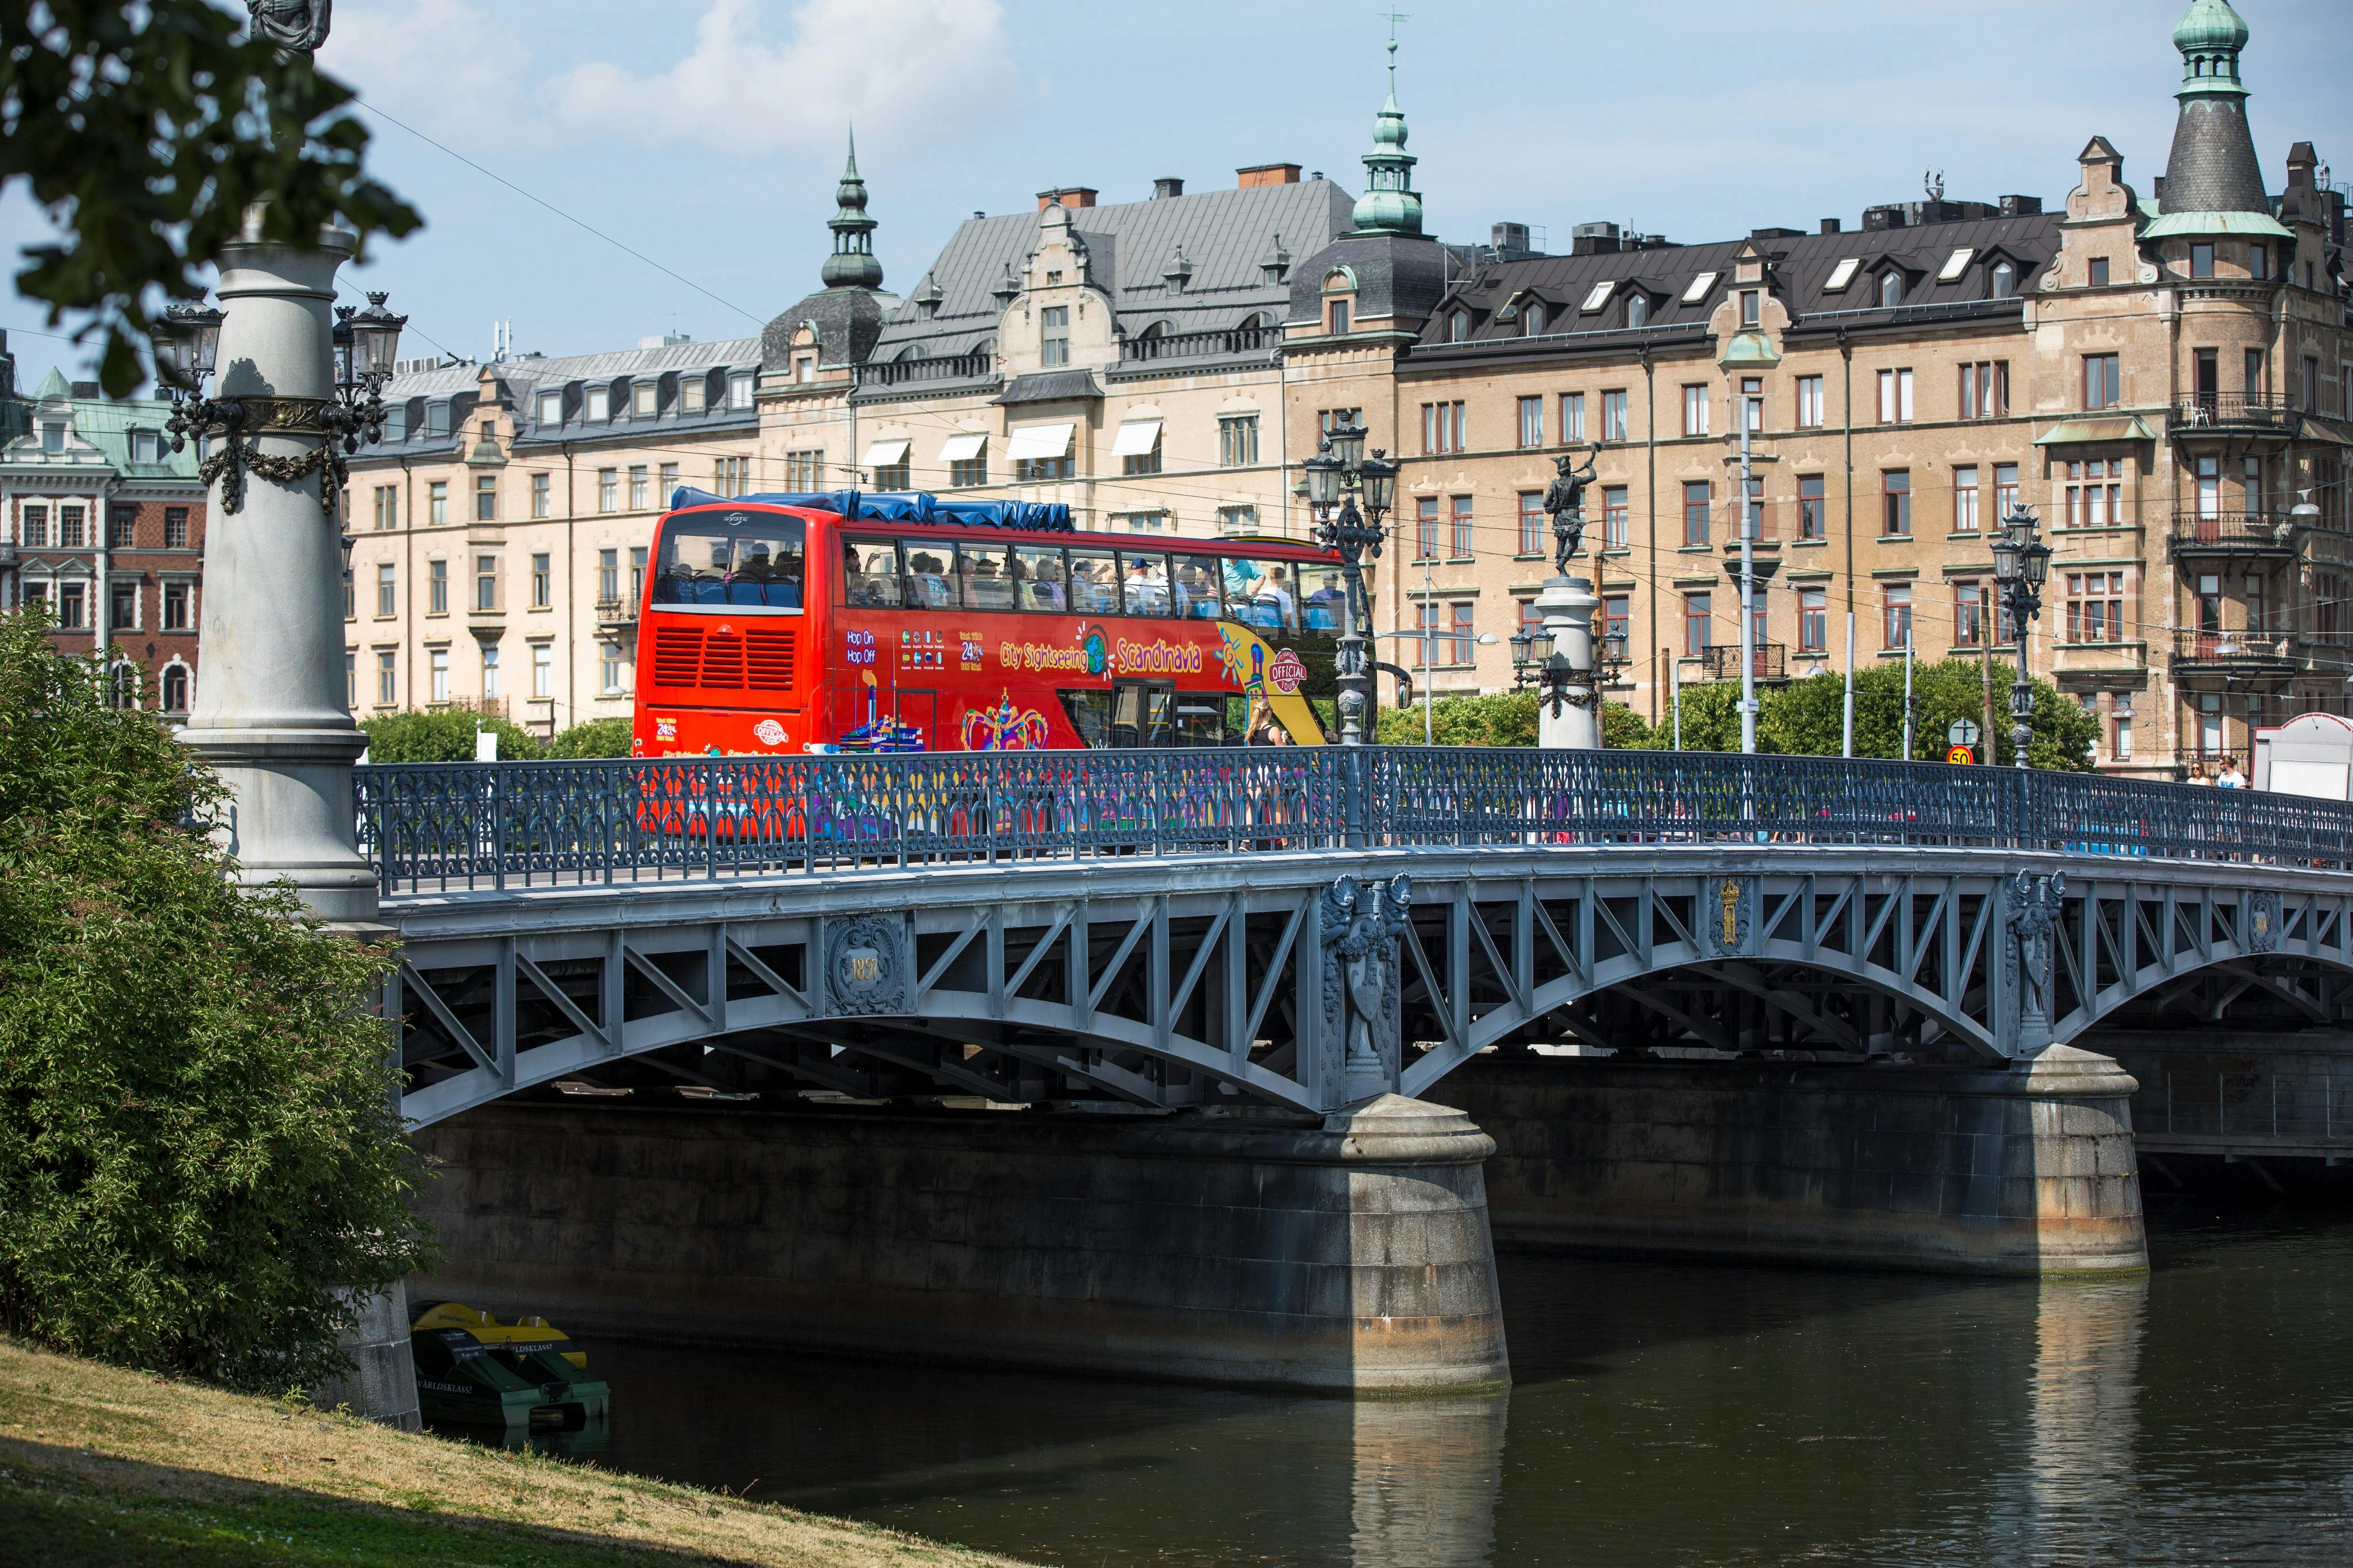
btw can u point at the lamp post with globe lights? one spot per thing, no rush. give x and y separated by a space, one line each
1339 477
2021 564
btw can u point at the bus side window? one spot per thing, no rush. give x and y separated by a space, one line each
871 573
1196 587
1038 571
1327 604
931 575
988 576
1094 582
1259 594
1090 714
1144 582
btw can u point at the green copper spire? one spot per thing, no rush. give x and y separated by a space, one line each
1389 205
852 263
2209 37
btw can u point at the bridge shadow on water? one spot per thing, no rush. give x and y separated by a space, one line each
1662 1415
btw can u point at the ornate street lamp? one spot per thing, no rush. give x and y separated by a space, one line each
2021 564
1338 477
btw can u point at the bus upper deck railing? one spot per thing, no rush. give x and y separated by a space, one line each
449 826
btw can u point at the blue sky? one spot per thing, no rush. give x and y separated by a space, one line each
707 133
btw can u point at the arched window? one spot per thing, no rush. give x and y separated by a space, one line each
1532 318
1458 330
1637 311
123 685
2005 279
1891 289
175 689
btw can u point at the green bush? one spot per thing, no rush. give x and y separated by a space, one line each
443 735
1501 718
198 1139
591 738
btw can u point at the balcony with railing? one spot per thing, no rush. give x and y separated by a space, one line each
2231 414
1197 345
2240 650
617 616
972 366
2204 533
1770 660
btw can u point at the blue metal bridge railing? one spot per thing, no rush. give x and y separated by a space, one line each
495 825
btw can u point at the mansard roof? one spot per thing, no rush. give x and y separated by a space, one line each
517 381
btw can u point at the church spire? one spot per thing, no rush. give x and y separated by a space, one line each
1389 205
852 264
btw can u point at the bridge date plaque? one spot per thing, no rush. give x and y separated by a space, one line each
865 968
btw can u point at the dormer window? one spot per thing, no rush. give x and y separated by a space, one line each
1532 319
551 407
1637 311
739 390
53 439
2095 272
1699 288
436 419
1842 274
1458 327
2005 280
1891 290
145 447
693 393
642 400
600 404
1599 295
1336 317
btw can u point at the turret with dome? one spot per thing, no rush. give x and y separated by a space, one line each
836 329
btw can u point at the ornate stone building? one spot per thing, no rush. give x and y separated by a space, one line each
101 519
2166 378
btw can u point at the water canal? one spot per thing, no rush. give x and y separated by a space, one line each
1661 1415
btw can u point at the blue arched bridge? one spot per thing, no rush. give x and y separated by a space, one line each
1307 928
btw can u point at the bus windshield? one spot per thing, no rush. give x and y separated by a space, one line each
731 560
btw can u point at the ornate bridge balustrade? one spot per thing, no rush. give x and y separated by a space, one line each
1197 928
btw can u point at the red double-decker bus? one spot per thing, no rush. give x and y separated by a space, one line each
853 622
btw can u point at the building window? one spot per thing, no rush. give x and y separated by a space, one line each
1809 402
1752 402
351 596
437 503
122 606
1985 389
1147 462
2096 606
2005 279
739 390
2102 384
1425 528
175 607
542 671
121 522
1441 427
1458 327
175 689
34 525
1572 416
1617 618
1891 289
668 487
437 670
73 606
541 582
1532 421
1237 520
1698 616
1895 503
637 572
1637 311
641 400
388 678
490 672
1146 521
1697 502
486 499
1459 515
1898 628
1614 516
2201 261
2120 728
1965 499
611 677
2095 272
551 407
1695 410
974 471
69 528
1054 330
2311 403
387 599
1813 620
1465 641
608 577
486 583
599 404
437 587
2005 492
1753 522
541 499
803 471
175 528
1894 396
1330 419
1812 522
1968 613
693 391
1751 303
1613 416
1237 440
1533 524
1336 317
387 508
2094 493
638 487
608 490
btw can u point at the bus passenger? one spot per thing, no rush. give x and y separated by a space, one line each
1328 605
1276 591
927 578
1040 574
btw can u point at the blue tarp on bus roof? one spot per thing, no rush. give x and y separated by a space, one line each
902 506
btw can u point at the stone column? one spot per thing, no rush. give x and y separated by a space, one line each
268 711
1567 605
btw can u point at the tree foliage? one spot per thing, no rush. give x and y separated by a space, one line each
443 735
592 738
145 131
1499 718
199 1144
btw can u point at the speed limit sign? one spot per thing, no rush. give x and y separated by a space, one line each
1959 756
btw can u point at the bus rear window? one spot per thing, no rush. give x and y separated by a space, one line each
731 560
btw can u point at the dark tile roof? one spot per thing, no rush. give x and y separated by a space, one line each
1048 387
1800 268
520 380
2213 168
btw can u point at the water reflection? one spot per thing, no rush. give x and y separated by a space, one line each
1666 1417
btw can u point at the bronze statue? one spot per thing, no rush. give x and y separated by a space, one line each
296 26
1565 502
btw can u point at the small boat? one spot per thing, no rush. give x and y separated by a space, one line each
528 1376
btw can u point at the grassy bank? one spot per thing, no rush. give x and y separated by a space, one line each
103 1465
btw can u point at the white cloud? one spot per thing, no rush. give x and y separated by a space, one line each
902 70
442 64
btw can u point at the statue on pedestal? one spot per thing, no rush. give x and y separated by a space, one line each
296 26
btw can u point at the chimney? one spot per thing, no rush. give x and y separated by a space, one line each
1829 226
85 389
1066 196
1509 241
2020 206
1593 239
1166 187
1266 175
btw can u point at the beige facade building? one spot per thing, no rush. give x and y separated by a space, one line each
2163 377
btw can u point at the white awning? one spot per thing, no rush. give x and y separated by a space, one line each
964 446
1136 437
1034 441
883 454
